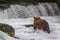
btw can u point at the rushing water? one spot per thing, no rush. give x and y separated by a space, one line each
20 11
4 36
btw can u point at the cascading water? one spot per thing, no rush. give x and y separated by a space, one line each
33 10
4 36
55 8
20 11
42 10
50 9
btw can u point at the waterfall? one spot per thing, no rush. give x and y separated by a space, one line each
42 9
20 11
33 10
50 9
56 9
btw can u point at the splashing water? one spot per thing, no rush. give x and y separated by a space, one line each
4 36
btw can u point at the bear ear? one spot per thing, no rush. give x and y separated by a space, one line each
36 17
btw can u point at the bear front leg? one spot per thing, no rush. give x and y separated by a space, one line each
48 29
35 27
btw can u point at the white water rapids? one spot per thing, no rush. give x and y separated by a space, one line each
48 11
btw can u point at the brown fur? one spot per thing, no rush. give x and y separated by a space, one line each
41 24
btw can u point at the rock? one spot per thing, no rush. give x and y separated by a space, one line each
30 25
7 29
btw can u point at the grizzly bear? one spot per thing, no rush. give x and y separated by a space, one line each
41 24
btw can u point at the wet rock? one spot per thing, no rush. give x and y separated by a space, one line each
7 29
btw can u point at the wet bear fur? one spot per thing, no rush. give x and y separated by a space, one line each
41 24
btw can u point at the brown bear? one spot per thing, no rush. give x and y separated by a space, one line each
41 24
